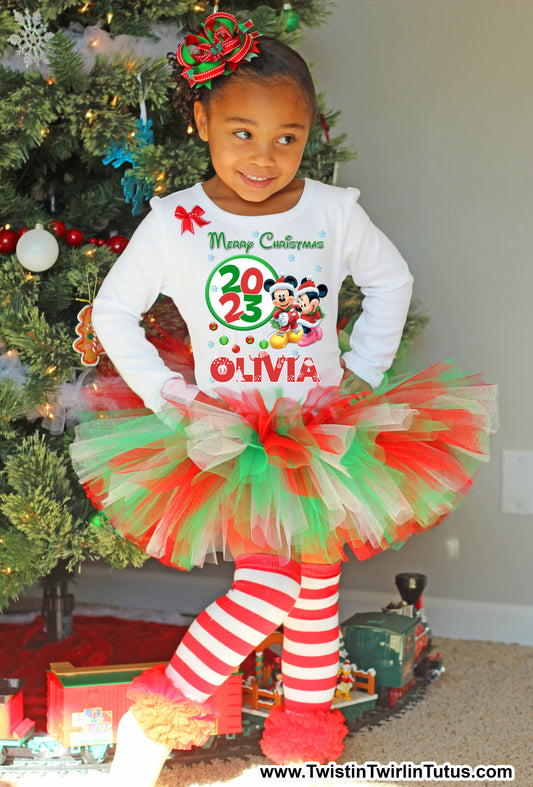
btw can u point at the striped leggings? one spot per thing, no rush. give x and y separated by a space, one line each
267 591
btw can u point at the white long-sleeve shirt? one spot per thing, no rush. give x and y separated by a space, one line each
226 274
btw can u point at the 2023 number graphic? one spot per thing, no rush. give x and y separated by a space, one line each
235 293
248 290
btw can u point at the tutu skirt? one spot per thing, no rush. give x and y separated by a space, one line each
367 469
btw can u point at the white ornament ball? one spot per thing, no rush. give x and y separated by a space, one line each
37 249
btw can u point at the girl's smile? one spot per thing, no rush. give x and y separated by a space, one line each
256 134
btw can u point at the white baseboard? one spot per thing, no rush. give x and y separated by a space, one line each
169 591
455 618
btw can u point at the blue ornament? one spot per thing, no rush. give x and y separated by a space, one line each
144 134
117 155
136 190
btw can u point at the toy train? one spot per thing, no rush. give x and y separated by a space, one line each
384 653
395 642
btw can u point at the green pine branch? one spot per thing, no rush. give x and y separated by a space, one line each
18 291
67 66
42 527
8 26
41 345
15 209
173 165
13 408
51 9
18 567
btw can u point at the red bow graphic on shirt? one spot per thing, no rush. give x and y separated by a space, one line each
187 218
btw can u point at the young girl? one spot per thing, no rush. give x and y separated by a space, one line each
282 452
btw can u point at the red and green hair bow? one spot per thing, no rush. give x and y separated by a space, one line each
223 44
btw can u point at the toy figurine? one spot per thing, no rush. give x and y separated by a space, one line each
345 680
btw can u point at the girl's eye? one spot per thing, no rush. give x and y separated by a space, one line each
286 139
243 134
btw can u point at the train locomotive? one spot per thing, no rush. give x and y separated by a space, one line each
385 655
395 642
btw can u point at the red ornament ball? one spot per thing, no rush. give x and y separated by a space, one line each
21 231
117 243
92 241
213 326
235 348
74 237
58 228
100 242
8 241
249 340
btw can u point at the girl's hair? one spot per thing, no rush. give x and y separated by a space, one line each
276 62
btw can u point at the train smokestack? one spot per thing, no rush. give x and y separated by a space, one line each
411 586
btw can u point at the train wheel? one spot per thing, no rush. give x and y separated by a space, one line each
3 755
89 756
394 696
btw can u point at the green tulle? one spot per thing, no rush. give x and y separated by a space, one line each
365 470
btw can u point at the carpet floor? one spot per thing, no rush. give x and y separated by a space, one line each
480 712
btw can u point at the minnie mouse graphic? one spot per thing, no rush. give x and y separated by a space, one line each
309 295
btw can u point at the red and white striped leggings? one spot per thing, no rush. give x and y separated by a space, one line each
267 591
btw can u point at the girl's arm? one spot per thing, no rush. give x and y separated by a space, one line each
356 383
378 268
129 290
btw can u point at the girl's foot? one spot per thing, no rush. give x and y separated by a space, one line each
315 736
138 759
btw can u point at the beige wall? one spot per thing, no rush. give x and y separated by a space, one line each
436 96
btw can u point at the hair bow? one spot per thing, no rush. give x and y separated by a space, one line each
223 44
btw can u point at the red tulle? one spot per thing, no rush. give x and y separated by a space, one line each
110 392
367 469
303 737
155 681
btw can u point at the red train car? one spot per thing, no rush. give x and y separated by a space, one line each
85 704
15 728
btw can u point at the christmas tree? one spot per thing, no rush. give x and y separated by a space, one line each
88 134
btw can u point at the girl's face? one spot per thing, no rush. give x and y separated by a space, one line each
256 135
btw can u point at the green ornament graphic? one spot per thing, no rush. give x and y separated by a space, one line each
223 340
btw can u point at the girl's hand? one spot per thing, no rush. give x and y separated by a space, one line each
356 384
177 390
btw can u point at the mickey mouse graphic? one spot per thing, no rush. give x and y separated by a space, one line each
309 295
285 314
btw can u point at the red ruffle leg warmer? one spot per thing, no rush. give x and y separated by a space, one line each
165 715
291 737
